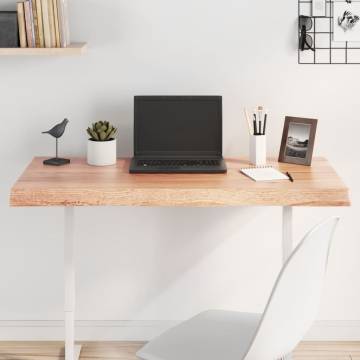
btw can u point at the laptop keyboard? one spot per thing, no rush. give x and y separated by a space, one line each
178 163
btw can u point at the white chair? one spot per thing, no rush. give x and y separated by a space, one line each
289 313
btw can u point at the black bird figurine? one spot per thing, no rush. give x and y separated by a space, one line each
57 132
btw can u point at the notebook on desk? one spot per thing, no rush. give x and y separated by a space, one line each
264 173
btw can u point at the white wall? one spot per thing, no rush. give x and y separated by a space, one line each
168 264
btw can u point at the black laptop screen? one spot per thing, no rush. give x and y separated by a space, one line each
178 126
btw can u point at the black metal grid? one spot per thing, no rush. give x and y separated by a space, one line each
326 50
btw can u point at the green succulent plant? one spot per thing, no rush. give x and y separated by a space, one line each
102 131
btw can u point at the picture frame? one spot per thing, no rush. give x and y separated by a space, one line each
297 144
346 21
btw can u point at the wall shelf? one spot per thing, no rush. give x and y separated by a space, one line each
72 50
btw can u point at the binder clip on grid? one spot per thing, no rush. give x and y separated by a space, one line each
306 40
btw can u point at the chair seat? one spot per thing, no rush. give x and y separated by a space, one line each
211 335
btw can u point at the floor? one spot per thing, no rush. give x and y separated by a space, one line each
126 351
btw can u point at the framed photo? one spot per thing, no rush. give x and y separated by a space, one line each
346 21
298 139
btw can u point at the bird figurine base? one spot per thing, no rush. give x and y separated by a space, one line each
56 162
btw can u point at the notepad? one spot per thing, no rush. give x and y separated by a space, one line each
264 173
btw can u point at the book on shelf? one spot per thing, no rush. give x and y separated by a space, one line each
56 21
30 34
64 27
52 23
35 24
21 24
40 23
45 23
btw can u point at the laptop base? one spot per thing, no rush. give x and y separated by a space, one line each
146 166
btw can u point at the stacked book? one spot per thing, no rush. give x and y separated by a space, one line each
43 23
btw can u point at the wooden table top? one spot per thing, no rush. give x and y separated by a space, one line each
79 184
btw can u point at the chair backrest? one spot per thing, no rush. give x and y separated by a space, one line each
295 299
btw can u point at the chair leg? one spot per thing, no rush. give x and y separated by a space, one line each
286 357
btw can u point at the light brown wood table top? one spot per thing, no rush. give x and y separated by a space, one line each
79 184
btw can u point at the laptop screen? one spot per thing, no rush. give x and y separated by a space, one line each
178 126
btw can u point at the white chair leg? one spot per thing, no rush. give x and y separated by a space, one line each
286 357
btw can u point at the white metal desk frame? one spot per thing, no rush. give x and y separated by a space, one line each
72 351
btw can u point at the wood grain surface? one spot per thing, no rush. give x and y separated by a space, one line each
79 184
337 350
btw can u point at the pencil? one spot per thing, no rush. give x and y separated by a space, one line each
260 112
289 176
264 128
248 121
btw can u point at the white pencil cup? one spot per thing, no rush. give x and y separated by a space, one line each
258 150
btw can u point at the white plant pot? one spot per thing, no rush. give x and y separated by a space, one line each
101 153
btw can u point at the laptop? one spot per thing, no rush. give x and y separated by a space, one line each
178 134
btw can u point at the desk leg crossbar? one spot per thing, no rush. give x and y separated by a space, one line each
72 351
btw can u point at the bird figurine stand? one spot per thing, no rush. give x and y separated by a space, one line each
57 132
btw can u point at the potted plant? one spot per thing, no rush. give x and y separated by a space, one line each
101 149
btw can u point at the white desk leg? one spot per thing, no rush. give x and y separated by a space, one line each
72 352
287 242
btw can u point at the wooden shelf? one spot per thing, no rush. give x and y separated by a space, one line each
72 50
